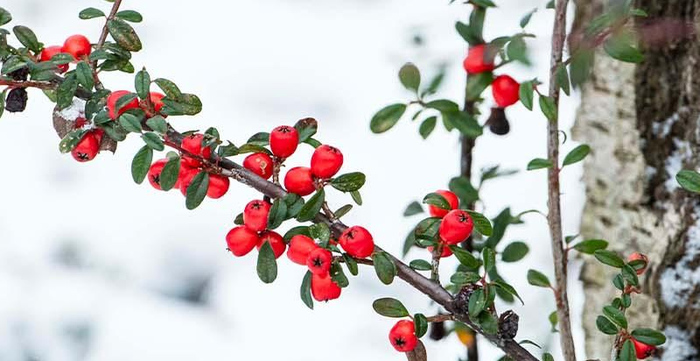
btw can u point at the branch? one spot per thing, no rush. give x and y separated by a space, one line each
554 200
101 41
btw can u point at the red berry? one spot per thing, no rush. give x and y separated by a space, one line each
157 101
323 288
299 248
87 148
241 241
218 186
403 336
255 215
476 60
506 91
49 52
456 226
275 240
260 164
326 161
193 144
451 199
300 181
446 251
154 173
78 46
112 103
319 261
185 178
643 350
357 242
284 141
636 256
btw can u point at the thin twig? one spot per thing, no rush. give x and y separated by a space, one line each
101 42
554 200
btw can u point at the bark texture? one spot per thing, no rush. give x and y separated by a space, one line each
643 125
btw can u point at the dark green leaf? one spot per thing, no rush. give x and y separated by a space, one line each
649 336
484 3
186 104
465 123
169 88
124 34
351 264
421 324
141 164
590 246
413 209
508 288
468 33
338 276
70 140
489 257
342 210
580 67
306 128
549 109
605 326
153 141
622 47
349 182
357 197
562 77
618 282
463 188
630 274
5 16
384 267
609 258
27 37
539 163
390 307
517 50
277 214
197 190
90 13
577 154
514 252
158 124
427 126
320 231
616 316
627 353
294 204
476 84
170 174
554 320
420 265
12 64
130 123
66 90
477 303
488 323
547 357
305 291
267 264
84 75
437 200
464 278
537 278
386 118
312 207
409 75
526 19
689 180
130 15
465 257
527 90
142 83
481 223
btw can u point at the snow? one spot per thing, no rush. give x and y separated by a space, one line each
75 110
662 129
95 267
674 162
680 282
678 346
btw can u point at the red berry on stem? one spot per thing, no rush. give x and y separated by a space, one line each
643 350
49 52
218 186
275 240
456 226
451 199
403 336
323 288
284 141
636 256
112 103
357 242
319 261
446 251
154 173
300 181
326 161
185 178
193 144
157 101
241 241
78 46
255 215
506 91
476 61
299 248
260 164
87 148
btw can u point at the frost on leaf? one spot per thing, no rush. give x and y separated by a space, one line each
64 122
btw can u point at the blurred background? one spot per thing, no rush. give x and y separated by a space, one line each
95 267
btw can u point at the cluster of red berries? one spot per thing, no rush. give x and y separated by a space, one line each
77 46
642 350
506 91
456 226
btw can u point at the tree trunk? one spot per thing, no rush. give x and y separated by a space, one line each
643 125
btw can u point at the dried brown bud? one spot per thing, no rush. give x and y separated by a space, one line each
508 325
16 100
497 122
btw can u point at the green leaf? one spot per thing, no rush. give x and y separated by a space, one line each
2 103
320 231
84 75
158 124
349 182
527 90
90 13
421 324
517 50
437 200
465 257
547 357
577 154
170 174
537 278
484 3
186 104
351 264
630 274
514 252
649 336
124 35
628 353
477 303
142 83
409 75
5 16
356 197
539 163
413 209
420 265
306 128
70 140
464 278
267 264
384 267
549 109
443 105
618 282
580 67
468 33
390 307
312 207
169 88
123 101
427 126
305 291
386 118
66 90
616 316
277 214
464 189
338 276
153 141
609 258
27 37
508 288
130 123
12 64
481 223
623 47
591 245
562 78
130 15
489 257
141 164
554 320
294 204
526 19
465 123
262 139
488 323
605 326
689 180
197 190
427 228
477 83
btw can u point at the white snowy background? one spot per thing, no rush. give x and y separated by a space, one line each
94 267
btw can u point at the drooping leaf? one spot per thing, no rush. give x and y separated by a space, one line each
312 207
387 117
197 190
390 307
409 75
124 34
537 278
267 264
141 164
